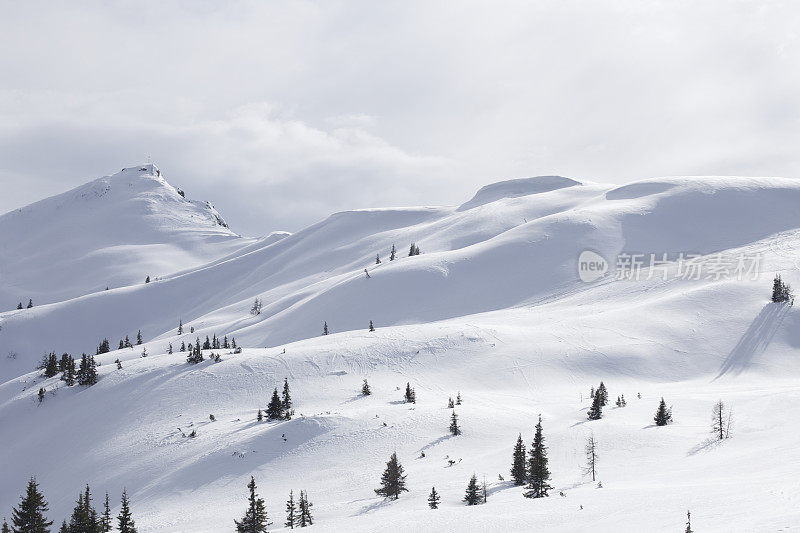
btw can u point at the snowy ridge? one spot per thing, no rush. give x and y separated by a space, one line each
492 308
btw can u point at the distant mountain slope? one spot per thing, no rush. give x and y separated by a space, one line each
517 248
110 232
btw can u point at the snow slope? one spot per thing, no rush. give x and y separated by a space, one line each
493 308
110 232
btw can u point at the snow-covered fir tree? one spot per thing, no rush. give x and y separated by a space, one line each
255 518
393 480
538 472
519 471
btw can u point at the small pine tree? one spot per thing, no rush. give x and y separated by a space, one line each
596 410
450 403
233 343
603 392
180 327
5 528
305 510
518 470
139 338
121 344
325 328
19 305
144 352
365 390
663 415
119 364
410 395
183 346
30 303
458 398
780 291
275 407
225 343
68 374
454 429
472 497
207 344
538 473
393 481
147 279
260 416
105 518
169 349
125 523
29 515
688 522
378 259
51 368
433 499
64 528
286 397
371 327
256 308
40 395
291 512
392 253
255 519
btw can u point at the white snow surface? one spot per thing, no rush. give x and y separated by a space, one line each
492 308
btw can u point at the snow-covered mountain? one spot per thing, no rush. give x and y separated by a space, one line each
111 232
493 307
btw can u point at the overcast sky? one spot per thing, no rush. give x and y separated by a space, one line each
281 113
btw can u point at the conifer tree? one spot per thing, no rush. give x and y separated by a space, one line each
19 305
275 408
87 372
51 368
5 528
256 308
121 344
450 403
292 519
663 415
518 469
30 303
325 328
365 390
207 344
128 342
183 346
125 523
371 327
454 429
472 497
233 343
180 327
621 401
139 338
197 345
305 510
64 528
29 515
169 349
781 292
378 259
286 399
259 416
255 519
596 410
538 473
119 364
393 253
410 395
458 398
105 518
68 375
688 522
40 394
225 343
393 481
147 279
603 394
433 499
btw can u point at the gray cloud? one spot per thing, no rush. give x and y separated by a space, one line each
280 113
